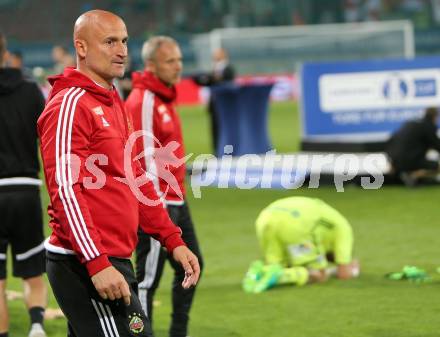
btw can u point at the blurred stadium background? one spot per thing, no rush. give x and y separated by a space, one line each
393 225
34 26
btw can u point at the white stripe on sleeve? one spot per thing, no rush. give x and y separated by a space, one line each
148 140
67 195
70 180
59 181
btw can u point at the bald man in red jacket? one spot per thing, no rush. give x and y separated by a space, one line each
95 199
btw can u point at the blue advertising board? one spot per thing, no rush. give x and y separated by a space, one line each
366 100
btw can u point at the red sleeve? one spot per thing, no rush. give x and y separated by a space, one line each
133 106
154 219
64 130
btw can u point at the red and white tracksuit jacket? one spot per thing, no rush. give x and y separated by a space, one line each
151 105
94 213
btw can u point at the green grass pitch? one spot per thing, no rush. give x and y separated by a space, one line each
393 226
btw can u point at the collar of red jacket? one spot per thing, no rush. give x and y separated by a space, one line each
146 80
74 78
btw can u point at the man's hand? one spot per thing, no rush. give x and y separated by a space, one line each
190 264
111 285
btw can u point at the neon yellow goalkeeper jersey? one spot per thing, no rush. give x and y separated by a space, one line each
302 231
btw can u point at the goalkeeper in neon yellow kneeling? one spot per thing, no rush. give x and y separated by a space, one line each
303 240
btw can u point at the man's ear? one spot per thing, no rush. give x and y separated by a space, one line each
80 47
151 66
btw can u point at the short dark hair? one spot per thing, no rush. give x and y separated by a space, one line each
431 113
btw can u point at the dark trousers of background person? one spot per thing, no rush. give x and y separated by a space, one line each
21 228
87 313
214 125
150 261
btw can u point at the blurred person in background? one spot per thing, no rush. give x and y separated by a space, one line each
299 238
21 103
123 84
222 72
14 59
62 59
96 210
408 147
151 103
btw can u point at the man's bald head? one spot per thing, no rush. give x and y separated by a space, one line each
100 40
87 21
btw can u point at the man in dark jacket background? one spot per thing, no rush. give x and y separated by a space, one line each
21 102
409 145
222 72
